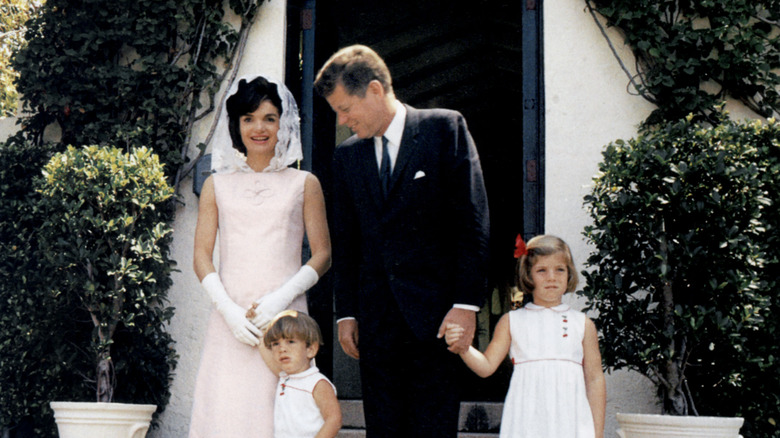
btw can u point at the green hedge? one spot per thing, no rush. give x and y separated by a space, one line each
30 336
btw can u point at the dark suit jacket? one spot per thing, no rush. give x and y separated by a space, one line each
428 240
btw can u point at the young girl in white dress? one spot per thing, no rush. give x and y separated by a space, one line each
557 388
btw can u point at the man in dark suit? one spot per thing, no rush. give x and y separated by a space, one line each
410 240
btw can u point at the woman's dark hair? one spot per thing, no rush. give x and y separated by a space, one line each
247 99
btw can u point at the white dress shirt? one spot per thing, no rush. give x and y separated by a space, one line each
393 133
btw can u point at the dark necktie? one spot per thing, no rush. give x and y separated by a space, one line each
384 169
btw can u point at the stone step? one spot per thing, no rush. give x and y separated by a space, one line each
477 419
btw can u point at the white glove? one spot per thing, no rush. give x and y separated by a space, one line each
266 308
233 314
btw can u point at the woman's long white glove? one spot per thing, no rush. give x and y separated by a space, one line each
233 314
266 308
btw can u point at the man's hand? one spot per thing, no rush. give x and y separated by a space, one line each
467 319
348 337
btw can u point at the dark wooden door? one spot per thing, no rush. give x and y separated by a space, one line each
466 56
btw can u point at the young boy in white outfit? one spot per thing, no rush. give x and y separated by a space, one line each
306 405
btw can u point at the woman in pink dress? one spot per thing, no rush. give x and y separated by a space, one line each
262 209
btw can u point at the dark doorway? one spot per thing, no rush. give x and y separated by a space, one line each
466 56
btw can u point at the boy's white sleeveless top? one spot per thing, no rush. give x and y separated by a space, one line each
296 414
546 396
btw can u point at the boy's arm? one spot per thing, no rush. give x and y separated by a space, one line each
595 384
325 398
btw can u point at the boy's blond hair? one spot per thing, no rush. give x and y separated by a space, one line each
292 324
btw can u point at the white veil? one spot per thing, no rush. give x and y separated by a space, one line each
226 159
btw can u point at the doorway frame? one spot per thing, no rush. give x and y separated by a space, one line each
305 54
307 50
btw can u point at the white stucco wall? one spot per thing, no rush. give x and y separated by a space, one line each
586 107
265 54
7 127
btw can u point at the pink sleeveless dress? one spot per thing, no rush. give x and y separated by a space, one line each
260 239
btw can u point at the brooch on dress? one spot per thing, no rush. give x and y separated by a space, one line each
258 192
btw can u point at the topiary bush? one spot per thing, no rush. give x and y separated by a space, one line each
683 278
104 246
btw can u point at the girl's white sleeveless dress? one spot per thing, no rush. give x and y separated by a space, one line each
546 397
260 240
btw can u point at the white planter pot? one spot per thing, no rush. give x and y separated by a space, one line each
671 426
102 420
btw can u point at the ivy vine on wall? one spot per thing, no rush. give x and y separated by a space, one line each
141 77
692 54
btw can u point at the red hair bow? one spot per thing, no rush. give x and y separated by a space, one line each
520 249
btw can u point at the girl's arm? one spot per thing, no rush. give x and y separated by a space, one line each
326 400
595 384
486 364
316 223
205 231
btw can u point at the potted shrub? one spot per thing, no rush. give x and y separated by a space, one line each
685 237
105 241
